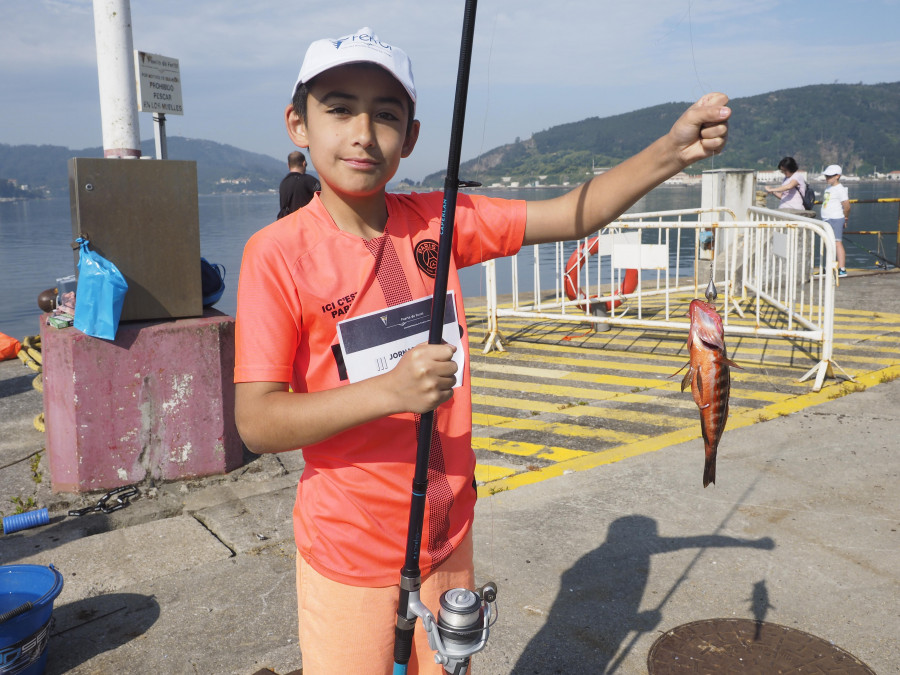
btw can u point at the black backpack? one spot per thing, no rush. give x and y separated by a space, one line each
809 198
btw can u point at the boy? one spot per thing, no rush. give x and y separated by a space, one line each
355 250
836 212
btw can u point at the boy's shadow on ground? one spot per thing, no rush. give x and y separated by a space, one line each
86 628
597 606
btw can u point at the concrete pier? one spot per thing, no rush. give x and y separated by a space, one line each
593 564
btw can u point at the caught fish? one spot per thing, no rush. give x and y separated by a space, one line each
709 378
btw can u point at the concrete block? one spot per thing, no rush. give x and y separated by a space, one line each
155 403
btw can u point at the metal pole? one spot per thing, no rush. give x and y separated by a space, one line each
410 575
115 71
159 132
897 252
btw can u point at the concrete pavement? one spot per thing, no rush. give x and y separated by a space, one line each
801 530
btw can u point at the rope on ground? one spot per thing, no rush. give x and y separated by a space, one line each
31 356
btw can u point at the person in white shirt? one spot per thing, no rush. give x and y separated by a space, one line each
836 211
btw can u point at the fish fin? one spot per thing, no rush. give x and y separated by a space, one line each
709 471
686 380
732 364
699 396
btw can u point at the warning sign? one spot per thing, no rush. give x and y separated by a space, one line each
158 83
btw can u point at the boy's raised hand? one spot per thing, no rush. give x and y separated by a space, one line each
702 130
424 377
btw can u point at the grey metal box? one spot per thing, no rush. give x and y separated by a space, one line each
143 216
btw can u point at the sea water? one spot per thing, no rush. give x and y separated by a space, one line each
36 239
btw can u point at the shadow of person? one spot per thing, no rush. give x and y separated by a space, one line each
85 628
600 595
759 605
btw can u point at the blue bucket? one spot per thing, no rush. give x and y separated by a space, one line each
27 593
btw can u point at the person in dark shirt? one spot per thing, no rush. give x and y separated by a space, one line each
297 188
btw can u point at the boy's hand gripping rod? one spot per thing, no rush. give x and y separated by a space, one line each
461 628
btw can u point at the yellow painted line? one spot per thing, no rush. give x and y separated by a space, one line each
524 449
867 337
857 320
670 373
485 473
747 306
555 428
655 443
634 383
625 336
574 410
741 348
580 395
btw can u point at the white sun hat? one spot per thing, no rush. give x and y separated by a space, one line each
363 46
832 170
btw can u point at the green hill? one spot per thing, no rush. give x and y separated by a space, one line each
220 168
855 125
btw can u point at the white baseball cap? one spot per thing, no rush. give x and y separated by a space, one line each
832 170
363 46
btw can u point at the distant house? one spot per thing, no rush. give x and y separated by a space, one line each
892 175
773 176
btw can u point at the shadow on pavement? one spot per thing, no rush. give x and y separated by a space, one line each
86 628
598 604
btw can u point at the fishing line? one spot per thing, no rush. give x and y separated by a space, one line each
465 632
482 291
703 87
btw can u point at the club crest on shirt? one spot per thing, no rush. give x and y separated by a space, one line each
427 256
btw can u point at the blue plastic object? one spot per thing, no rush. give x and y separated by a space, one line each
22 521
27 593
100 294
212 280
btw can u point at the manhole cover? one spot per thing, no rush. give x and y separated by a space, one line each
747 646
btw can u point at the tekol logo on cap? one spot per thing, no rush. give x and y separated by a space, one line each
361 37
363 46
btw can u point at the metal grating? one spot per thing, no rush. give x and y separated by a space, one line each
747 646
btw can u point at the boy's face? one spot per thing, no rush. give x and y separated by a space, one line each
355 129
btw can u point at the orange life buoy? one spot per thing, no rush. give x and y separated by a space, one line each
576 262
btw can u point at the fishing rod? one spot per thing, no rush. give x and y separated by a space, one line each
462 624
861 248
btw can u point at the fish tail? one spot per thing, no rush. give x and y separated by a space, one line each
709 470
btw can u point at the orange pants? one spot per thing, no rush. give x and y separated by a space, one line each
349 630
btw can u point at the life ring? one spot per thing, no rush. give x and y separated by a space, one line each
576 262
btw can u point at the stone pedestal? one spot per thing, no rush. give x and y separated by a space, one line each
156 403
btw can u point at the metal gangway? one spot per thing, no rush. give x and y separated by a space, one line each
630 273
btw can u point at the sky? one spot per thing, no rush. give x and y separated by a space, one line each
535 64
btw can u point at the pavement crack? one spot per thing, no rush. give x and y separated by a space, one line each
199 519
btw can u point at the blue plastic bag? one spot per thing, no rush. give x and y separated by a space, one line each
99 295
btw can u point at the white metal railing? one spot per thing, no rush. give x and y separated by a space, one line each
771 261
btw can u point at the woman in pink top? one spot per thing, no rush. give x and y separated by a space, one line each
792 189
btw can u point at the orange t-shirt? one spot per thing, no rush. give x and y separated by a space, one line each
302 275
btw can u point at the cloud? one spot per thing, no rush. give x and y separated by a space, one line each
535 64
